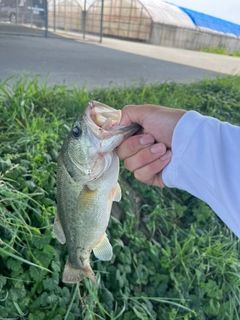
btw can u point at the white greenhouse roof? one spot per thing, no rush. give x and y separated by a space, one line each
159 11
88 3
80 2
162 12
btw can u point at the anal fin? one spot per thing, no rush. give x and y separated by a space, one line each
58 230
103 250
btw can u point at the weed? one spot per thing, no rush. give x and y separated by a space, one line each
221 50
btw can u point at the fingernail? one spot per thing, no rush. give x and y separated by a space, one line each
146 139
158 148
166 156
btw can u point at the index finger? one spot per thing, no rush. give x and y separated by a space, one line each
133 144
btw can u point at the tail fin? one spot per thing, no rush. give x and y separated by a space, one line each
73 275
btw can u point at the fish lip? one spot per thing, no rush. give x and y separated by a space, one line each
112 129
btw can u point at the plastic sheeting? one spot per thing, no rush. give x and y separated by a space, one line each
122 18
65 14
81 3
165 13
135 18
210 22
85 4
158 11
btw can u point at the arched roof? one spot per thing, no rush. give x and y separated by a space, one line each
80 2
159 11
162 12
52 3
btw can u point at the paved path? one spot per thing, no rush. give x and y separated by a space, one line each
207 61
212 62
75 62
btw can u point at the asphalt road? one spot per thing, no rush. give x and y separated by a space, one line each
77 63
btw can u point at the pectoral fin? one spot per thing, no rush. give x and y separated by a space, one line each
58 230
103 250
117 193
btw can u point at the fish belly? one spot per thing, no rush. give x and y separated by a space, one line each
83 213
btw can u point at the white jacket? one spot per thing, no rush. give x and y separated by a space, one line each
206 163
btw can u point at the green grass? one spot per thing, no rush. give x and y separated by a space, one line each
173 258
221 50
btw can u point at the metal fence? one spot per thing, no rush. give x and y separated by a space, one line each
76 16
51 18
121 18
84 18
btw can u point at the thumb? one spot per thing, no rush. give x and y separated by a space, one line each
130 114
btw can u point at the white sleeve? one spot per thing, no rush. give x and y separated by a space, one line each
206 163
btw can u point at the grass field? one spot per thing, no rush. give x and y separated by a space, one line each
173 258
221 50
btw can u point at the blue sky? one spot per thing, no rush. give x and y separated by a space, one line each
227 10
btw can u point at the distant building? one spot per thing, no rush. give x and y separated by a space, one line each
151 21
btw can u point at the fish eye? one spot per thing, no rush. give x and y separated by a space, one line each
76 132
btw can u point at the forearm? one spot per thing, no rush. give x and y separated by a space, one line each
206 163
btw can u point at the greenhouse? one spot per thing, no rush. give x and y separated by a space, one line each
136 20
150 21
69 15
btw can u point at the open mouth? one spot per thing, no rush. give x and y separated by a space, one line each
103 122
104 116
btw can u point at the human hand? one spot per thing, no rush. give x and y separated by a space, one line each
149 152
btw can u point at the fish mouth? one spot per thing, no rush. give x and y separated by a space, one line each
104 121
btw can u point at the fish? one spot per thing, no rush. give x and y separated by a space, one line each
87 185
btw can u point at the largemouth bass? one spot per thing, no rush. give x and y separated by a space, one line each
87 175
